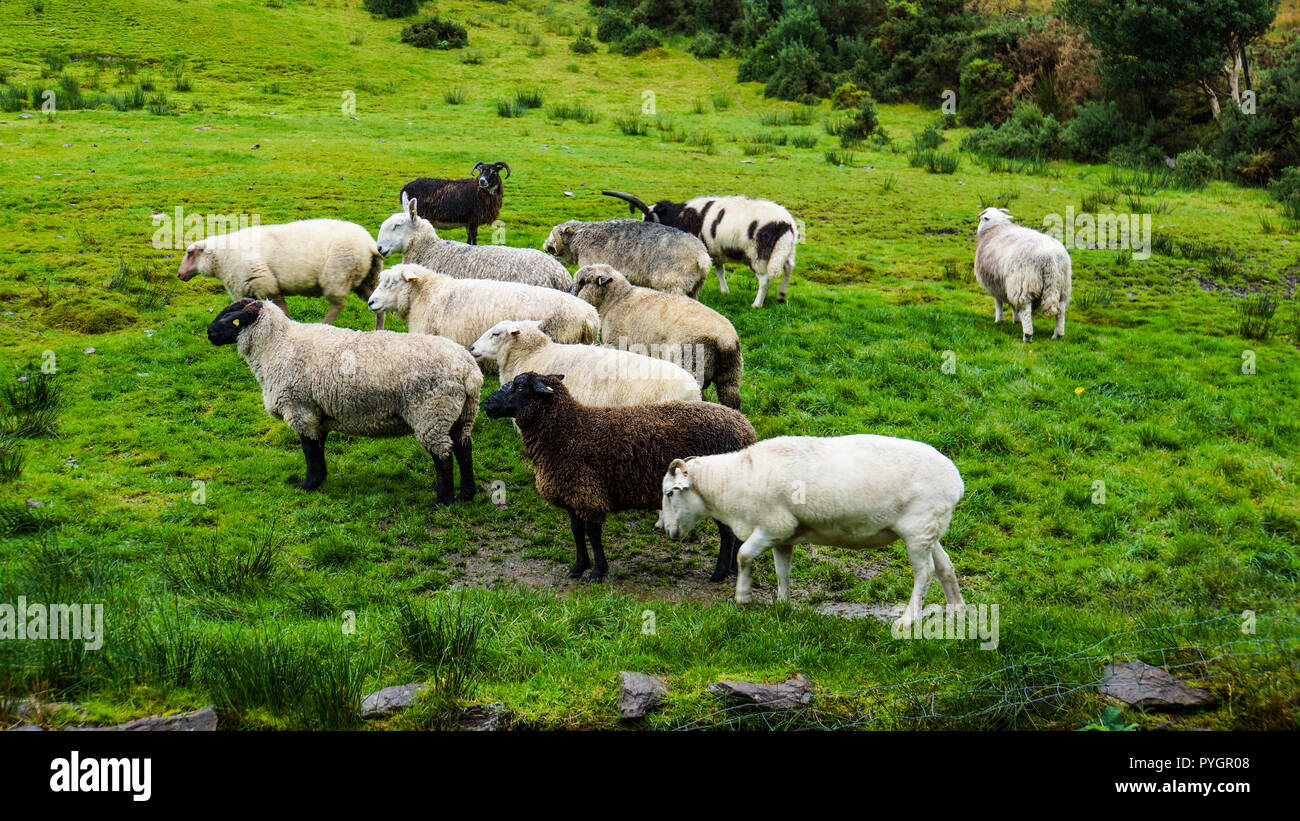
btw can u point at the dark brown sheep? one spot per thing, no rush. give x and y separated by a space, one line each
593 461
471 202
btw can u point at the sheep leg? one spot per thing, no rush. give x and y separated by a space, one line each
947 576
336 306
364 292
1026 314
781 555
762 290
443 493
785 283
280 303
464 452
756 545
997 311
598 550
1059 333
721 273
727 548
579 529
921 554
314 452
471 231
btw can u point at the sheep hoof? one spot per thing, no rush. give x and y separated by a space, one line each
576 571
718 576
312 481
597 576
465 495
1028 338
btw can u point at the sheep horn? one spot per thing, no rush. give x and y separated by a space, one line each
477 166
635 202
505 167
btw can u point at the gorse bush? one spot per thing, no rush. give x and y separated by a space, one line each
1096 129
392 8
859 125
582 45
437 33
985 93
1196 168
708 45
1027 134
642 38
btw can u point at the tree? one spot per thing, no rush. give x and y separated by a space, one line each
1154 46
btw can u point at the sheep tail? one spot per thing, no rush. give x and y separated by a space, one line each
371 280
1056 279
727 372
783 252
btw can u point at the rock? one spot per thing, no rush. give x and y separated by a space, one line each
204 720
1139 684
389 700
783 696
639 693
90 350
27 728
485 718
31 503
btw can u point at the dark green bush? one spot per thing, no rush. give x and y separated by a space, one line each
1287 185
435 32
612 27
641 39
392 8
860 125
1196 168
708 45
1027 134
1097 128
797 75
582 45
985 93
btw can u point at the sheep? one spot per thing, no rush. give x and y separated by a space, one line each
593 461
848 491
759 233
669 326
414 237
470 202
317 378
309 257
597 375
649 255
1023 268
463 309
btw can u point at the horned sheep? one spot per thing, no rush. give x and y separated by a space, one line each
414 237
1024 268
319 257
668 326
471 201
593 461
318 378
649 255
596 375
857 491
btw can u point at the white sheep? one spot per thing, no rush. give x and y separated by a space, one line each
320 257
318 378
594 375
463 309
667 326
1024 268
412 236
847 491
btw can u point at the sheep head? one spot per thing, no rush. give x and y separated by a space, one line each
560 243
195 261
233 320
489 176
683 508
496 341
524 391
393 292
592 283
396 231
993 216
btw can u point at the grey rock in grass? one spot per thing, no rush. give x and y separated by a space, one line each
389 700
1139 684
639 693
485 718
783 696
27 728
203 720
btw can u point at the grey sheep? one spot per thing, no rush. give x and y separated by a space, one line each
318 378
414 237
650 255
665 326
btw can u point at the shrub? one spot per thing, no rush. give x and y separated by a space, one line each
582 45
1027 134
707 46
1287 185
435 32
797 75
612 27
985 92
860 125
1196 168
392 8
1097 128
641 39
848 96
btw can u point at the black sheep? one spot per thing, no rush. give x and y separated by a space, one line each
471 202
593 461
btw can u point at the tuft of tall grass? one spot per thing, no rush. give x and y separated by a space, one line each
529 98
934 162
209 567
510 109
31 407
839 157
1257 313
455 96
632 126
572 111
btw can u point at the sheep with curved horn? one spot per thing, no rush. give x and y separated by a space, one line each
471 202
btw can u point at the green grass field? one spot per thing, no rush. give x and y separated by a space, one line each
169 495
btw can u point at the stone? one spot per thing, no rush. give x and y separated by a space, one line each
1139 684
783 696
639 693
485 718
389 700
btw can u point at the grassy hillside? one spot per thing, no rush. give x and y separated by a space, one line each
167 493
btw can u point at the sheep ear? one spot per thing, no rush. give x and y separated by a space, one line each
410 276
410 208
568 229
604 281
514 332
405 200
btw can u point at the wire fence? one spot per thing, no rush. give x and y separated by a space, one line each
1032 691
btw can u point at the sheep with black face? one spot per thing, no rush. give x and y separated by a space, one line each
318 378
593 461
471 201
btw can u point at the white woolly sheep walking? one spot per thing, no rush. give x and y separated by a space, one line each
414 237
847 491
594 375
318 378
320 257
1024 268
463 309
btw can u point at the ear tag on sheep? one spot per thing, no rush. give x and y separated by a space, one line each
235 323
